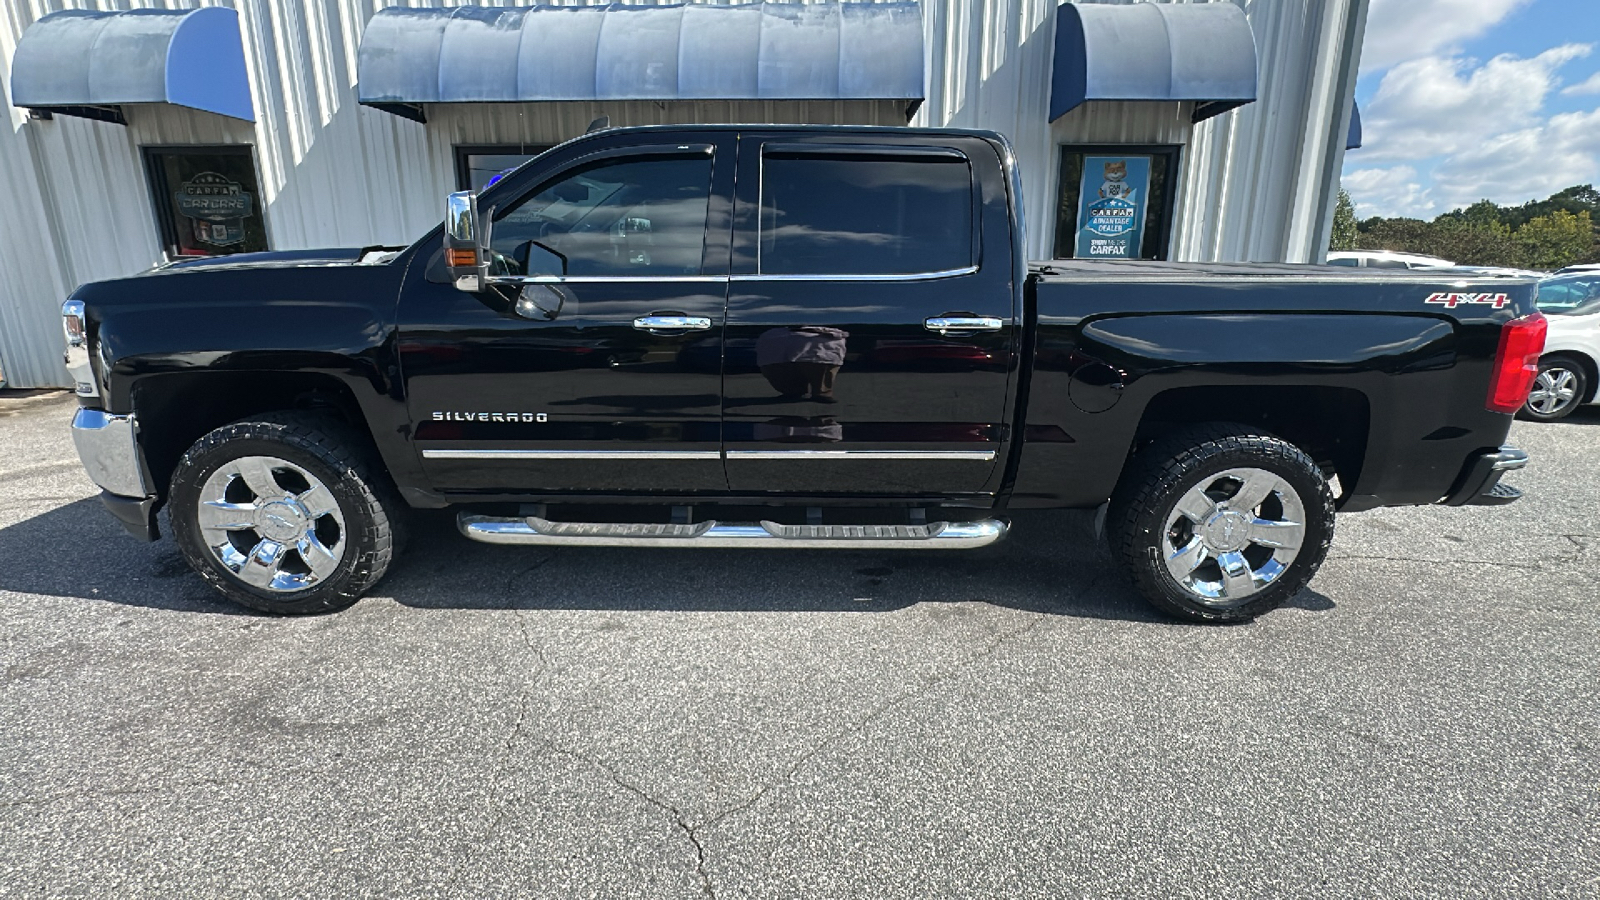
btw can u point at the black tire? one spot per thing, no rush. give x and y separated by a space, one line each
372 514
1549 367
1146 500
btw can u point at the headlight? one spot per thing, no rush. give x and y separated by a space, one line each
77 356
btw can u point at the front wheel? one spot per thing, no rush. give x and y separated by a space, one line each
1558 389
283 513
1221 523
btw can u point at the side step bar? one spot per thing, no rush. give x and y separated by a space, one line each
764 534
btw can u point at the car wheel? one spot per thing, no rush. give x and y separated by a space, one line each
1561 386
284 513
1221 523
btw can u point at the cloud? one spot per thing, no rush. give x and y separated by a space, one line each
1439 106
1389 192
1527 164
1592 86
1400 30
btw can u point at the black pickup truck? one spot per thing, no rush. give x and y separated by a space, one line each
804 337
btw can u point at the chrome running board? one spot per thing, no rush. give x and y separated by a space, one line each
534 530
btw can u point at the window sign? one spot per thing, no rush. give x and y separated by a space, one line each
206 199
216 208
1112 201
1116 201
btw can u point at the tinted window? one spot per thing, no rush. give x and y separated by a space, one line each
1570 296
206 199
865 215
1345 261
631 216
1387 264
477 167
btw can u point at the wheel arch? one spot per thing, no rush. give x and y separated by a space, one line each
176 409
1331 424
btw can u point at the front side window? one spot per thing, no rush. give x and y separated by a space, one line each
642 215
206 199
837 214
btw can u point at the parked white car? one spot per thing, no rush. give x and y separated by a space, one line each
1569 370
1385 259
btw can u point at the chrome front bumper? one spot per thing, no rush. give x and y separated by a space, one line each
108 446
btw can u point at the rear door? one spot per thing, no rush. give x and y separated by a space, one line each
870 328
594 362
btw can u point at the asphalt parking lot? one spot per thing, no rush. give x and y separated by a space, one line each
499 722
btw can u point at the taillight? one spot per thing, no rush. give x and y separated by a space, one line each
1517 362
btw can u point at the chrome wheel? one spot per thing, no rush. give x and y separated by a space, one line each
1233 534
271 523
1554 390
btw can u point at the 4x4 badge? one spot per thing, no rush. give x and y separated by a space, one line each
1451 301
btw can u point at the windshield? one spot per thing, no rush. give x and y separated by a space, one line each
1570 295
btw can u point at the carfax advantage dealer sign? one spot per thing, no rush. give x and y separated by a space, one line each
1111 206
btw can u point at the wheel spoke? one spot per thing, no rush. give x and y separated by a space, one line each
1183 563
317 556
1257 484
257 476
318 501
226 516
1236 575
1196 506
1278 535
264 563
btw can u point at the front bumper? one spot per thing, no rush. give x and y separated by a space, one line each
108 446
1479 484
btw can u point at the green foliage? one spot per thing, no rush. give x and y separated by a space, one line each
1344 223
1545 234
1559 239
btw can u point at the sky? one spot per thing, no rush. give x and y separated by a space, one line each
1463 100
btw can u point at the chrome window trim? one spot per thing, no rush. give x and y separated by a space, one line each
974 455
598 279
451 453
909 276
108 447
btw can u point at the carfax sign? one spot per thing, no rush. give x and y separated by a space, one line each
1111 206
216 207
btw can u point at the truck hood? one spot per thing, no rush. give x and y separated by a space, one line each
284 259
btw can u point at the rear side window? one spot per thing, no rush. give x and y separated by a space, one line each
1387 264
865 214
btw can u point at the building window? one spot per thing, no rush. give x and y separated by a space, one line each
1116 202
878 214
477 166
207 200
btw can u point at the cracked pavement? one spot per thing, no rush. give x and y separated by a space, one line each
1424 722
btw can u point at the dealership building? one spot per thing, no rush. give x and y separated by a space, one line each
189 127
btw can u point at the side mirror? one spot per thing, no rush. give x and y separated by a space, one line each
466 254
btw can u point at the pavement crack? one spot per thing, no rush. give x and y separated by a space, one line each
676 814
1527 567
922 689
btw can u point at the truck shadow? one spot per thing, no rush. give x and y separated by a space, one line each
1051 564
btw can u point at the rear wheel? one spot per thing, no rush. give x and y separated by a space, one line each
1221 523
284 514
1561 386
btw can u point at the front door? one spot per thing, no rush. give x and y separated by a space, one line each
869 337
593 363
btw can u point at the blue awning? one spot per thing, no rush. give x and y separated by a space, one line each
78 62
754 51
1204 52
1353 140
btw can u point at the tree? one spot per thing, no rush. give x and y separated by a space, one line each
1557 240
1344 223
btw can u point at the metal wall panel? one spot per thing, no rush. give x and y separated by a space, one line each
1257 182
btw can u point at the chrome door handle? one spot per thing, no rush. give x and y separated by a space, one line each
962 324
672 323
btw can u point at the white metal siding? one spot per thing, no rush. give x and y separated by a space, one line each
1256 182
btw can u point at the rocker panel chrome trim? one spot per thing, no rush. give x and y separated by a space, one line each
763 535
933 455
570 454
